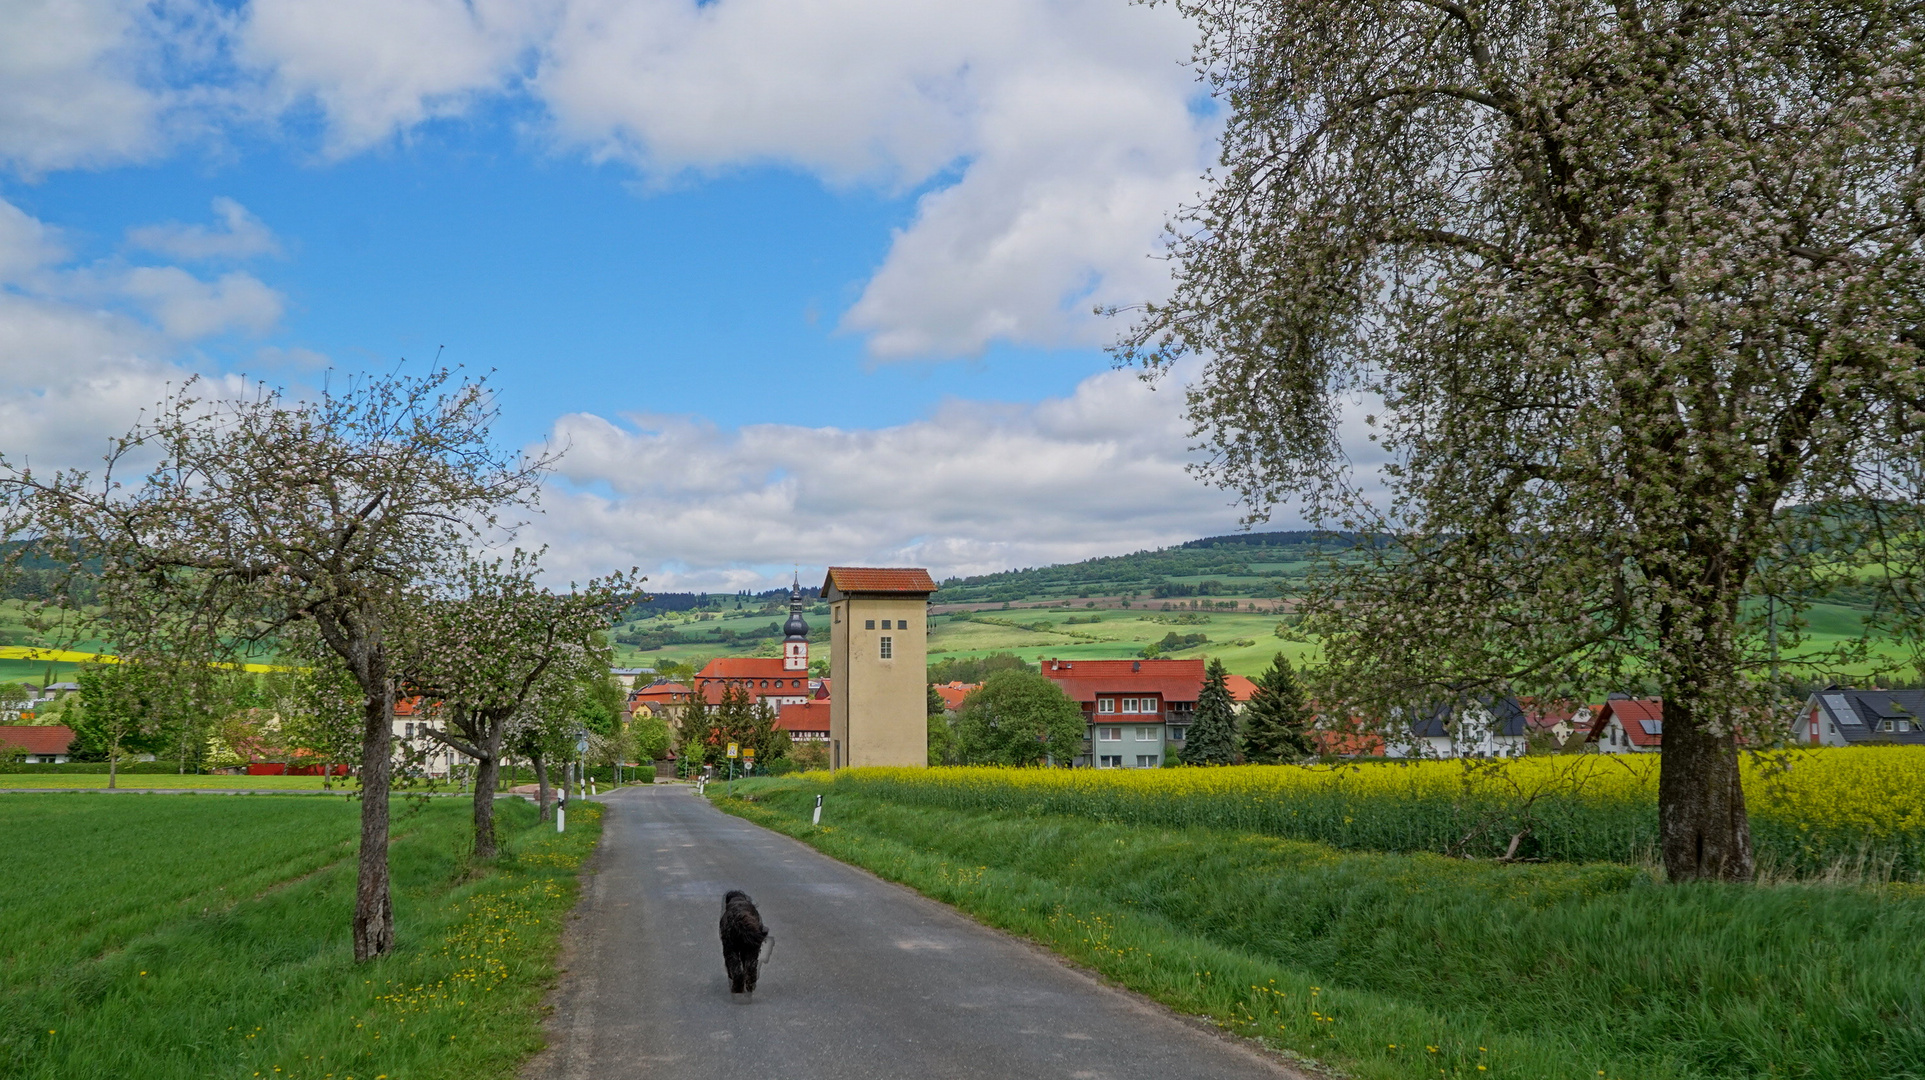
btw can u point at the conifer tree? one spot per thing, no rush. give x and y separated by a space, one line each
1213 735
1275 719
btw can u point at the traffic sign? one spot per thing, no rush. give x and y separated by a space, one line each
748 751
734 750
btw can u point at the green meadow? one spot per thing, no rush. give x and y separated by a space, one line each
176 937
1407 966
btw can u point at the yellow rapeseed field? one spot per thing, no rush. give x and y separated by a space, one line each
1807 806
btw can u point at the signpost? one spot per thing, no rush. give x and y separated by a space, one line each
735 751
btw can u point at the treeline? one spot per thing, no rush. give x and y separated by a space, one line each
1142 573
665 603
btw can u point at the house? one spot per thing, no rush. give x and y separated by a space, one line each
43 744
953 693
1557 724
1137 712
1481 728
805 722
665 699
1838 716
413 720
1241 690
1627 726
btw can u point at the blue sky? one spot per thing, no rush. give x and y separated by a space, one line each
794 284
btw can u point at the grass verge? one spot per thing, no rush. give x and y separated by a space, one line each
190 937
1414 965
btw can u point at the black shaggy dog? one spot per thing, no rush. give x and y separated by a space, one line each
742 938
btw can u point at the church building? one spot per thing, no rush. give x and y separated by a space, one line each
773 680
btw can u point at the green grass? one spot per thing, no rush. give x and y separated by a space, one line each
1369 961
183 937
149 781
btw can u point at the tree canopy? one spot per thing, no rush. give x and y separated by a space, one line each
1276 720
1019 718
1620 294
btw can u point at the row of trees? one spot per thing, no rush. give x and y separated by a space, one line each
341 533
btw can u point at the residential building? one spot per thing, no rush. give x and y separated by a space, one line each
629 676
43 744
805 722
878 659
665 699
1487 728
1137 712
1627 726
1838 716
414 745
953 693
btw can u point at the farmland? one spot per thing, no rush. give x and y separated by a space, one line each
1390 964
1232 591
181 936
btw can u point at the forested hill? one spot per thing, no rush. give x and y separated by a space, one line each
1232 563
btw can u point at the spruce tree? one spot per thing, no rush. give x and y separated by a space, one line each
1213 733
1275 719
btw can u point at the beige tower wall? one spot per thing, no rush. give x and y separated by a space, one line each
878 709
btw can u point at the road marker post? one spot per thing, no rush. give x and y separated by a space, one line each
818 811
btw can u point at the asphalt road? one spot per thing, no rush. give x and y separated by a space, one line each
868 979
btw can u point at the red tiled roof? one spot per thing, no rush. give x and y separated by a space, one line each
808 716
37 738
1241 689
1631 715
669 691
1083 680
406 707
747 667
879 579
953 693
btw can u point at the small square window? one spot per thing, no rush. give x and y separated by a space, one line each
886 649
1109 734
1110 761
869 624
1146 734
1148 761
1129 704
1107 705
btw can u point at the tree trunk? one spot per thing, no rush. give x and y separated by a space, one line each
1703 830
541 782
1701 800
113 764
486 769
373 903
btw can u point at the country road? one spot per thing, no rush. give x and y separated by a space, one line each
868 980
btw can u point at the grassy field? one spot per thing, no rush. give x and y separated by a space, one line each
151 781
196 937
1412 966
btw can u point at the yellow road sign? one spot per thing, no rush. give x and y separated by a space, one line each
734 750
748 751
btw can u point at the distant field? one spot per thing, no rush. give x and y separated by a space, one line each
149 781
179 939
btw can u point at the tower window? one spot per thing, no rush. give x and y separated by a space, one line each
887 648
869 624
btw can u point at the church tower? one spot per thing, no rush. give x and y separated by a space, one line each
795 633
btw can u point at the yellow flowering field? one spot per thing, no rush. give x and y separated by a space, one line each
1811 810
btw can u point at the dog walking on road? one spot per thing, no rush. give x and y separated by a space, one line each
742 938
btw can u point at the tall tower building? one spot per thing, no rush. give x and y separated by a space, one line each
878 665
795 633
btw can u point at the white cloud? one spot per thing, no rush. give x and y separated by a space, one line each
974 487
376 67
68 91
1067 125
240 235
84 349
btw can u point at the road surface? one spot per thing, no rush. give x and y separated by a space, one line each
868 980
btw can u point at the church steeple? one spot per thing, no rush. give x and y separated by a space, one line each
795 633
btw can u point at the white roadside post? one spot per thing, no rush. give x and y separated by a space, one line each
818 811
561 811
